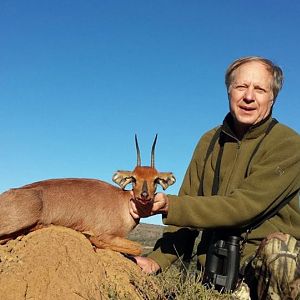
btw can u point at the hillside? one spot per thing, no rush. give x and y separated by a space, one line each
146 235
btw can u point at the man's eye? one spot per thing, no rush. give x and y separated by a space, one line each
260 90
240 87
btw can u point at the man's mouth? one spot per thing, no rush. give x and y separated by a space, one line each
246 108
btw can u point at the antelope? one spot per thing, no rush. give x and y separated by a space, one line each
94 207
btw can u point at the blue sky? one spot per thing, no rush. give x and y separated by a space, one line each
79 78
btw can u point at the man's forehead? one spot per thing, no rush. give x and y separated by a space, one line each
255 67
253 71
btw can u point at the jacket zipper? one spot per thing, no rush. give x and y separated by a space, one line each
238 147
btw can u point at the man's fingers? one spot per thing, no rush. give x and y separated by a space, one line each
133 214
147 265
133 210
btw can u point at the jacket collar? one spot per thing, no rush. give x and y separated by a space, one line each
252 133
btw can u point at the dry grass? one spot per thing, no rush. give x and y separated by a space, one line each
175 283
170 285
180 285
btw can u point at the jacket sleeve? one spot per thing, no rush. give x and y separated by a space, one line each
179 241
273 177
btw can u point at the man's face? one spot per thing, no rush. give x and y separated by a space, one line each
250 94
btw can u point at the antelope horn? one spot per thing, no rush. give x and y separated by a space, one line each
138 154
152 151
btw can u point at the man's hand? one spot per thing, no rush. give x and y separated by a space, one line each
147 264
159 206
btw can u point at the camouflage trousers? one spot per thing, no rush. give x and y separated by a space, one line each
274 273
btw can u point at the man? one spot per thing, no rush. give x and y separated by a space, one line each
251 170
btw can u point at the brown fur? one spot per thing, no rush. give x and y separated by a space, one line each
93 207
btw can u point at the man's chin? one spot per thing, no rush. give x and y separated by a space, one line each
245 121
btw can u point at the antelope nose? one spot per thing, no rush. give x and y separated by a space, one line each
144 194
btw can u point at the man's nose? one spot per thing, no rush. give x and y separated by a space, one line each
249 94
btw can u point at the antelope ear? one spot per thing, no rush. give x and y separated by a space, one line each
166 179
122 178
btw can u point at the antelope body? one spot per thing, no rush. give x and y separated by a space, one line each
93 207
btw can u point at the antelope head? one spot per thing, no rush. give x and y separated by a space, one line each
144 179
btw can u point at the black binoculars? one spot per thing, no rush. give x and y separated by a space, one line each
223 263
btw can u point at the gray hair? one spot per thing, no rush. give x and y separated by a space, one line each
274 70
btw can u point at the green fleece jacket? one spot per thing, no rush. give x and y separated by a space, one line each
245 190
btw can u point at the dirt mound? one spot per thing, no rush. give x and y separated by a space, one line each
60 263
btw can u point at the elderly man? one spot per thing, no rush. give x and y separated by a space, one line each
244 177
